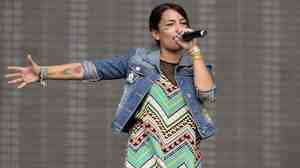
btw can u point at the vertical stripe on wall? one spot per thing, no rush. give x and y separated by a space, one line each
271 83
76 107
11 16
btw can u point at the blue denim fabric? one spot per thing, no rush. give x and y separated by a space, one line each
140 68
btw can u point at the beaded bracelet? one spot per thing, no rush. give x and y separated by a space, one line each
197 57
196 54
195 50
43 76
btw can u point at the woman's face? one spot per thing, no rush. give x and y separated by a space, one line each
171 23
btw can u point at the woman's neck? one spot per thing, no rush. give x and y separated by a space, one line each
170 56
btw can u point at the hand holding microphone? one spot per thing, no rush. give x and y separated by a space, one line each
185 38
192 47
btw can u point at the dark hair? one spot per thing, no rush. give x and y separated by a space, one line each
157 12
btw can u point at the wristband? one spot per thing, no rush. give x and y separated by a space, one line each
195 50
197 56
43 76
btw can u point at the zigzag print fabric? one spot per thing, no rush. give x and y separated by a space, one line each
164 135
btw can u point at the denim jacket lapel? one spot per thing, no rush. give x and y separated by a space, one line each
152 56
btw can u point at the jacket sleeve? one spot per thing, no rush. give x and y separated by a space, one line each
209 96
107 68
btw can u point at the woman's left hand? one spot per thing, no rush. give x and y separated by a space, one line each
187 45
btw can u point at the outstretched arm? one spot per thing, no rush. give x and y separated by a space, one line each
73 71
22 76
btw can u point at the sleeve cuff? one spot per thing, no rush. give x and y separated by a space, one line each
208 96
90 71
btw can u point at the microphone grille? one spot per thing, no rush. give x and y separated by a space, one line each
203 33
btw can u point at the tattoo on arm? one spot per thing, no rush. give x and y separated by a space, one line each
71 71
77 70
67 71
64 72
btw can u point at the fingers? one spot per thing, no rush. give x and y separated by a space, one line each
183 30
16 81
16 68
180 33
30 60
18 76
188 30
20 82
13 75
23 84
35 66
181 43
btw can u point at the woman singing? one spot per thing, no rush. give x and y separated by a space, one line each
166 88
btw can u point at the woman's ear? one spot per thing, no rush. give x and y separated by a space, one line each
155 35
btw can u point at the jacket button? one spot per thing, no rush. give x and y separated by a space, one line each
138 68
130 77
189 95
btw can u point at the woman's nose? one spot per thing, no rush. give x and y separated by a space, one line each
178 28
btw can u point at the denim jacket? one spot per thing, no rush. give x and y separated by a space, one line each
141 68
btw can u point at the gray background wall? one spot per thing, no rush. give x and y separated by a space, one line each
254 46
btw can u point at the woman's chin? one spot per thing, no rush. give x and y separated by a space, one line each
176 48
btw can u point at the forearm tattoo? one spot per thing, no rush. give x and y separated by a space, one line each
67 71
72 71
77 69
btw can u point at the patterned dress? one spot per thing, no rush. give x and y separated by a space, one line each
165 134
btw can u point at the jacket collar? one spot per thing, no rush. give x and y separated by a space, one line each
152 56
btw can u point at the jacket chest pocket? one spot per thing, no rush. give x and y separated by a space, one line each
135 72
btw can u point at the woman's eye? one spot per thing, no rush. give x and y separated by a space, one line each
169 24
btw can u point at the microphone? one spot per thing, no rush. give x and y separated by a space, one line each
188 36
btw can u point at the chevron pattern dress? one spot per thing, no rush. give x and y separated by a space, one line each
164 135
